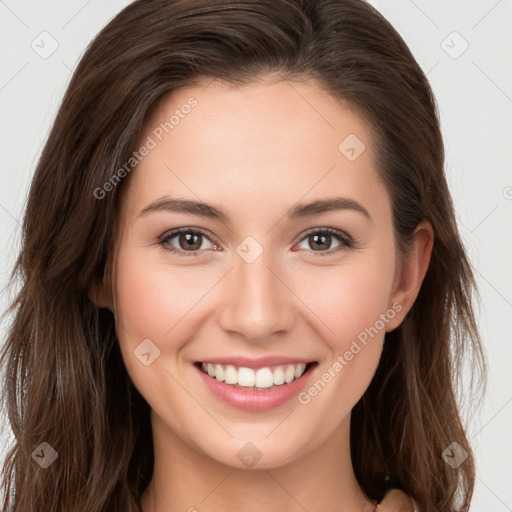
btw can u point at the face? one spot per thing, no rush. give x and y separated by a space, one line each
257 281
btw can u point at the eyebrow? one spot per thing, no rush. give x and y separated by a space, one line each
300 211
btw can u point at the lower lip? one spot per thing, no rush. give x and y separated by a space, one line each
254 400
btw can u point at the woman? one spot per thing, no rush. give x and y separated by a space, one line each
176 343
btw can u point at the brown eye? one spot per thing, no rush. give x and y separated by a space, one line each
186 242
321 241
189 241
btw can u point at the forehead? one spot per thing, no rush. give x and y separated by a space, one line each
276 139
286 112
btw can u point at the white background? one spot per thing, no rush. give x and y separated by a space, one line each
474 94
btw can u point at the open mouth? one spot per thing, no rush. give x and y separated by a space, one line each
261 379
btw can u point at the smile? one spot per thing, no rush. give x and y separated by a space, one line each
260 378
255 387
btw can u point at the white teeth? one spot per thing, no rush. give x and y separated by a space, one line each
279 376
230 375
262 378
246 377
219 372
289 374
299 370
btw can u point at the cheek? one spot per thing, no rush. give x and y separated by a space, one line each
353 310
154 299
160 302
144 301
151 304
349 299
352 306
156 303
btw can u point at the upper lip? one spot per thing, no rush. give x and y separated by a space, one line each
260 362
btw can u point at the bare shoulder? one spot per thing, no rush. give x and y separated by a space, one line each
395 500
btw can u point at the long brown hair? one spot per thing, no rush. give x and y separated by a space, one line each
65 381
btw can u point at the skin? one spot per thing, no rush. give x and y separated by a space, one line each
256 151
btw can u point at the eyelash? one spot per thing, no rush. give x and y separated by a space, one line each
347 242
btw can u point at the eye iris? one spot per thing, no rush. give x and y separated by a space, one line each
323 240
190 241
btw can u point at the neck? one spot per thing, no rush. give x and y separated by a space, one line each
188 480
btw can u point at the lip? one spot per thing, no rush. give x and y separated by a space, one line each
255 400
255 363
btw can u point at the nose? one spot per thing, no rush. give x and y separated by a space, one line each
258 302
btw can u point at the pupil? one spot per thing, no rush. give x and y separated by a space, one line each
321 239
190 241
